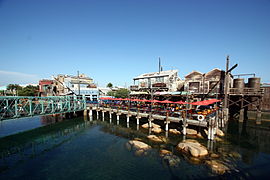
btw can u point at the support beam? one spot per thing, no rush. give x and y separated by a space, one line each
90 113
85 113
259 117
138 120
241 115
127 118
167 126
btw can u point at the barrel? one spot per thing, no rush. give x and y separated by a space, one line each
239 83
254 82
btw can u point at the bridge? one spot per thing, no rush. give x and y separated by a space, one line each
20 106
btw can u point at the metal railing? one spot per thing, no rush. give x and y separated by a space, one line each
20 106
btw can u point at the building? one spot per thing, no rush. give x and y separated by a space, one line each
163 81
47 88
78 85
204 83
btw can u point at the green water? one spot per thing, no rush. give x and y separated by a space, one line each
82 149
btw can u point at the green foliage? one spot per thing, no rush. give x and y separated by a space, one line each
109 85
14 87
110 93
29 91
122 93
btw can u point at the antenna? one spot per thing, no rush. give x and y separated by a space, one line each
159 65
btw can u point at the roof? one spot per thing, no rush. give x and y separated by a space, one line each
213 72
193 73
156 74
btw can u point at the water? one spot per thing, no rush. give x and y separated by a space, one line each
81 149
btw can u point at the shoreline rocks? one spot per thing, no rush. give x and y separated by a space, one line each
216 166
140 148
168 157
174 131
155 138
193 147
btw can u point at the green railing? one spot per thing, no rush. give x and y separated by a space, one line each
20 106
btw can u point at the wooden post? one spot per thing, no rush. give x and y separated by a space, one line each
259 113
242 110
226 87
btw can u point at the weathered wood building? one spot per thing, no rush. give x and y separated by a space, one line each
204 83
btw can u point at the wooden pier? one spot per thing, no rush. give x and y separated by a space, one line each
211 122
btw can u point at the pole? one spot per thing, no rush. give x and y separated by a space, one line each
79 83
226 83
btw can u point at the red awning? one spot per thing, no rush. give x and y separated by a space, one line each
166 101
180 102
156 101
206 102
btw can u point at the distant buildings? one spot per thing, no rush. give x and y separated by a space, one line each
68 85
168 81
163 80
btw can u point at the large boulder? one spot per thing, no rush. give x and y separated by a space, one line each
191 132
193 147
164 152
168 157
146 125
140 148
156 130
220 133
172 160
217 167
174 131
155 138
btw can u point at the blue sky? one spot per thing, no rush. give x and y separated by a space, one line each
116 40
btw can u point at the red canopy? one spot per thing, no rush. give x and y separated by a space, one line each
180 102
156 101
166 101
105 98
206 102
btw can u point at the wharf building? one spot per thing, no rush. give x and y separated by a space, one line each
62 85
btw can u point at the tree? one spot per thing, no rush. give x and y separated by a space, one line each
14 87
110 93
122 93
29 91
109 85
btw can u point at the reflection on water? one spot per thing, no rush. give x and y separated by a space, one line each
84 148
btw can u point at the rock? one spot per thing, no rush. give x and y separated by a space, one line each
199 135
220 133
195 160
157 130
155 125
155 138
138 139
172 160
164 152
217 167
191 132
214 155
235 155
137 145
218 139
174 131
193 147
140 152
146 125
140 147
